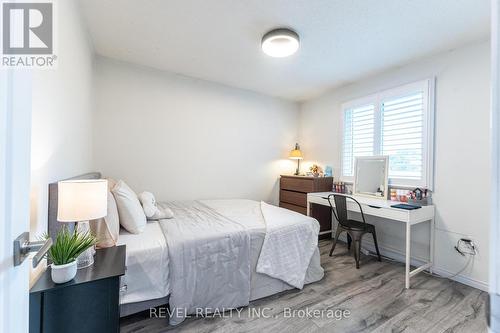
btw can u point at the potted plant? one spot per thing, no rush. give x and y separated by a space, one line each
63 253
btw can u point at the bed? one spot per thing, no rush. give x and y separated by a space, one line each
145 283
155 277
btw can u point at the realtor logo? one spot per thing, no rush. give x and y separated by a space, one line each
27 34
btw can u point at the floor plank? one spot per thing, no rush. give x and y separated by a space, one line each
374 296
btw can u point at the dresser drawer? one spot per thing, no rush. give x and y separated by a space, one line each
297 184
295 198
295 208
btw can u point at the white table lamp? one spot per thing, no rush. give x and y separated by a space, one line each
80 201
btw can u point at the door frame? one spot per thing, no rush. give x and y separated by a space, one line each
15 170
494 262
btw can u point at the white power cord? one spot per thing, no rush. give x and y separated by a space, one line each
471 258
465 247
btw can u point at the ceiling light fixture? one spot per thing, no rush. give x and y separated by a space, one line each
280 43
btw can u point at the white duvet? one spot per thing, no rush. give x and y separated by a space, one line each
290 241
209 252
209 260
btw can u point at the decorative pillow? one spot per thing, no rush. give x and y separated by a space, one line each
130 211
111 183
151 209
107 229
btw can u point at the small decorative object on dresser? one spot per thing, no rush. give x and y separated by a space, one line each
88 303
328 171
293 196
316 170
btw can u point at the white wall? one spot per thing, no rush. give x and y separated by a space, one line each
183 138
462 176
61 139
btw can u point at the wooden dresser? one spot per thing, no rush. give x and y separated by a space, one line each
293 196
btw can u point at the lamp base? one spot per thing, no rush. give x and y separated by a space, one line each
297 171
85 259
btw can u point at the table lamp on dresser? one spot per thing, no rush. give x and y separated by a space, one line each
296 154
80 201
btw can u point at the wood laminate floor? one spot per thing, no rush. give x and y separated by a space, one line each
371 299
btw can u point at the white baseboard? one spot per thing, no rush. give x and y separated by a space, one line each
398 255
481 285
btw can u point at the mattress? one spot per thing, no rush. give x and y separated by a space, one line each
147 272
146 277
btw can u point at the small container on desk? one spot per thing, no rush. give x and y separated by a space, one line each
340 187
422 202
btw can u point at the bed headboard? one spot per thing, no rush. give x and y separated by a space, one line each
54 226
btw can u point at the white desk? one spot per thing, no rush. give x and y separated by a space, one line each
383 209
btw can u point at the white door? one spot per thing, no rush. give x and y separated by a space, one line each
15 137
495 170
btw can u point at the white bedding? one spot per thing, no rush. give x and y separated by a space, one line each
249 213
147 274
148 260
291 240
209 256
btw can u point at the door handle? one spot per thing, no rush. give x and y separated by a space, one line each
22 247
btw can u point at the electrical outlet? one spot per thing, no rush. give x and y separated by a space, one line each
466 246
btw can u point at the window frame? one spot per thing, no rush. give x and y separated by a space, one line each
376 99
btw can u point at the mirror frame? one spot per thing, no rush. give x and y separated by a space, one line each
386 185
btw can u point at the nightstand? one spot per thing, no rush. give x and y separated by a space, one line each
88 303
293 196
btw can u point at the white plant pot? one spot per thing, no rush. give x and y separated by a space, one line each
63 273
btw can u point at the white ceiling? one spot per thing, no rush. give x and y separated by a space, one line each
341 40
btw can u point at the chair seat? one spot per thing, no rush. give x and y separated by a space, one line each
356 225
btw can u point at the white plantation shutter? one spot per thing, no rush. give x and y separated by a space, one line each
403 135
359 130
397 123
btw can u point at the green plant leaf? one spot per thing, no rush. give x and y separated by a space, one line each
69 245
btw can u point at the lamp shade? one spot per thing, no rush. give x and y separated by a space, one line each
82 200
295 154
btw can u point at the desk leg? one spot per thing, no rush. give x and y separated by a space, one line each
408 250
334 229
308 208
431 250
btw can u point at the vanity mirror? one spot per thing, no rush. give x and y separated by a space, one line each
370 176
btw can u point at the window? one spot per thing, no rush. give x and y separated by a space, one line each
359 129
397 123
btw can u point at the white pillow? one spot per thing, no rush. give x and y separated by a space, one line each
151 209
107 229
132 216
148 203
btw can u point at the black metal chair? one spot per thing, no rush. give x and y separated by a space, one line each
355 229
